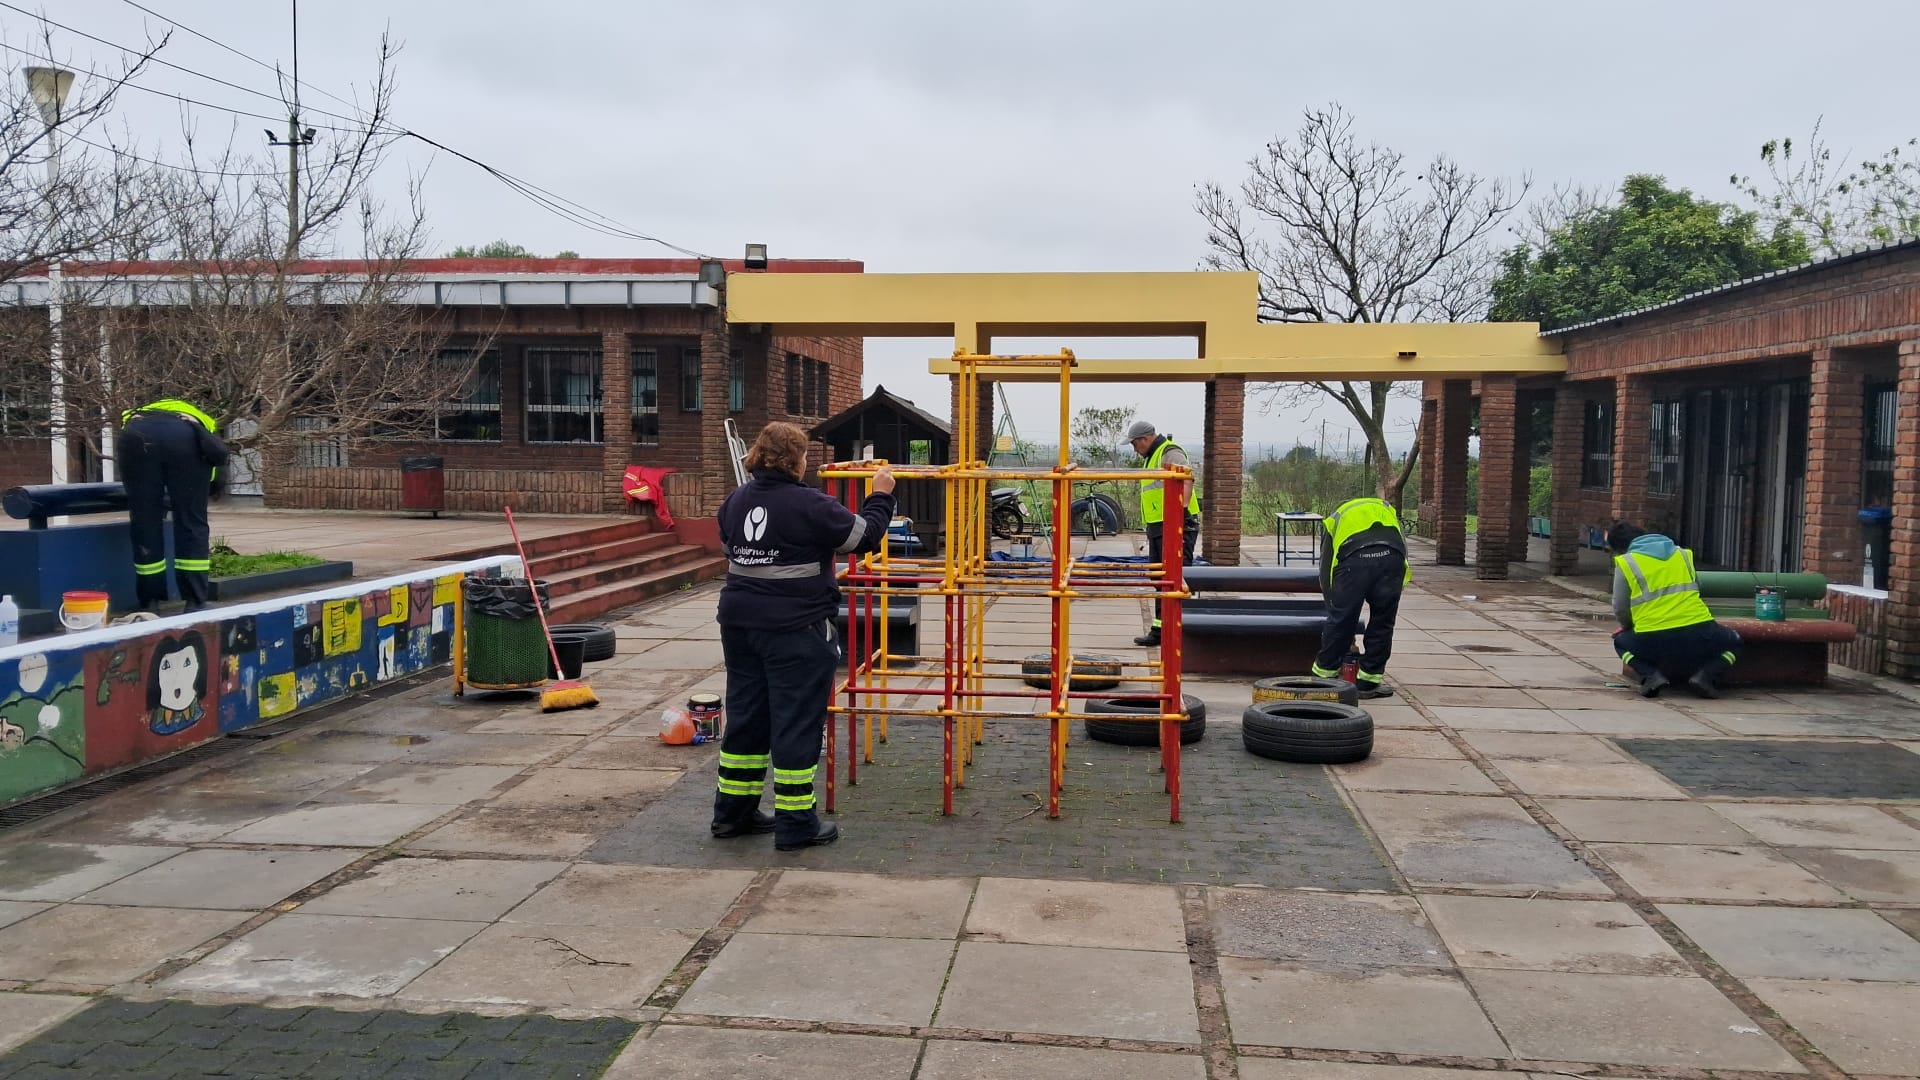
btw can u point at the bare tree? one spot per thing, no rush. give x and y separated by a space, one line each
1840 209
1339 231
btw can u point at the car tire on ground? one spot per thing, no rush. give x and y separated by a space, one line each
1090 672
600 639
1135 732
1314 732
1305 688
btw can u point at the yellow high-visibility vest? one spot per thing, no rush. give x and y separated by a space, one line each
1153 495
1662 594
174 405
1355 516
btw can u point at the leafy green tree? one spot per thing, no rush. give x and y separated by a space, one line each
498 249
1656 243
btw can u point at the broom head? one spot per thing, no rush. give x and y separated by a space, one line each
567 694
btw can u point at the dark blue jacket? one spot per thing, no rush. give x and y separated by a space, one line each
780 538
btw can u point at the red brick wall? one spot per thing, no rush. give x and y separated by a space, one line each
545 491
1224 467
1499 433
1450 472
24 461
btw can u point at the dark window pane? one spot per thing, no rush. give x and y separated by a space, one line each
563 395
646 395
690 378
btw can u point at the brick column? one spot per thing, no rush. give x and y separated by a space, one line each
1632 428
1429 454
1903 579
1834 438
1225 468
1499 409
616 418
1454 414
716 472
984 426
1522 478
1569 419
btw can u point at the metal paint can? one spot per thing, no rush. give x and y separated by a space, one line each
705 710
1769 604
1350 668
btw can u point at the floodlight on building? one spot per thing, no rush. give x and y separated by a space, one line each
756 256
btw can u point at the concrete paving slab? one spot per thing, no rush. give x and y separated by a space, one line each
1527 746
12 911
1864 1028
22 1016
1324 930
423 784
43 871
1436 656
1115 993
223 878
685 655
634 896
556 967
1863 827
1624 1020
1472 840
1396 716
1907 919
591 789
1252 1068
1014 1061
1471 697
1625 780
704 1053
174 816
1270 1004
863 905
1551 935
1629 722
343 825
283 778
67 944
1394 743
1090 914
572 722
1691 871
1462 717
1630 822
1800 943
470 890
343 745
616 752
1415 774
352 956
1818 726
1425 681
1603 699
468 749
1891 876
553 834
830 979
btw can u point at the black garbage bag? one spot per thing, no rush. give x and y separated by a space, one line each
503 598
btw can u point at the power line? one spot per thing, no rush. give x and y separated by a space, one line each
249 57
119 152
182 98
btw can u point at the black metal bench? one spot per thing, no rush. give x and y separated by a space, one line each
1252 635
37 503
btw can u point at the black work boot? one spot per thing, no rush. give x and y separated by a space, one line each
758 822
1149 639
1651 685
1374 689
1705 683
800 829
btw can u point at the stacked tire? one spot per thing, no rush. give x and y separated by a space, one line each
1141 732
1090 672
1310 732
599 639
1305 688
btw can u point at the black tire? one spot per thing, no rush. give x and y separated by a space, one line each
600 639
1305 688
1095 516
1135 733
1006 522
1314 732
1090 672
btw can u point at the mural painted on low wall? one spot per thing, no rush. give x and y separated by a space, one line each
77 709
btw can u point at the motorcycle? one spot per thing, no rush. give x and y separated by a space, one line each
1006 513
1094 514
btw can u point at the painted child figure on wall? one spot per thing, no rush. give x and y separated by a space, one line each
176 683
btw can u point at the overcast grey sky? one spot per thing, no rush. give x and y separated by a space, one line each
1037 135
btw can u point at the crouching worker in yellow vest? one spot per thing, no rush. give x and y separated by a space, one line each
1162 452
169 457
1363 560
1666 631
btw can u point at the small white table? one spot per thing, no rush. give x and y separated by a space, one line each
1283 526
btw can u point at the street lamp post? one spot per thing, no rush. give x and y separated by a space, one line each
48 87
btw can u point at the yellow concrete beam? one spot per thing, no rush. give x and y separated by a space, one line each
1218 309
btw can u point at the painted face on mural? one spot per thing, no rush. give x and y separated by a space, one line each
177 673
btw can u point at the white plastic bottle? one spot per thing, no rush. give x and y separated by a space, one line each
9 621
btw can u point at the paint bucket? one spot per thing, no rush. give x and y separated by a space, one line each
82 610
1769 604
705 710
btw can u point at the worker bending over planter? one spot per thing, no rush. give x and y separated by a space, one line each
1363 560
1666 631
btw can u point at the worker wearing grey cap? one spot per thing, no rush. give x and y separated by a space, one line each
1161 452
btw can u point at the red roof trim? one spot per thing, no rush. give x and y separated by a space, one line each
611 267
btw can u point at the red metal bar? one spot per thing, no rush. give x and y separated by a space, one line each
832 789
1174 522
1061 664
946 703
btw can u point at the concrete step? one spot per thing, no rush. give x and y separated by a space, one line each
568 582
590 603
547 566
614 530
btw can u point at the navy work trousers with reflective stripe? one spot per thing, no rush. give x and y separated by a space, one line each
778 683
1156 537
160 464
1706 648
1374 577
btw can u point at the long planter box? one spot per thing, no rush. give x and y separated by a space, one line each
298 577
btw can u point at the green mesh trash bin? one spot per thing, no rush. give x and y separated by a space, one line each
506 649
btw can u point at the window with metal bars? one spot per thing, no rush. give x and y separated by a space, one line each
1596 461
821 383
645 361
796 370
473 413
1665 446
737 380
23 414
563 395
1876 481
690 394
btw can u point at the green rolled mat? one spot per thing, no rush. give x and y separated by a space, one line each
1739 585
1743 609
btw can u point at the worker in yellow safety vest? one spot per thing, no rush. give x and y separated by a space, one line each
1162 452
169 455
1666 632
1363 560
